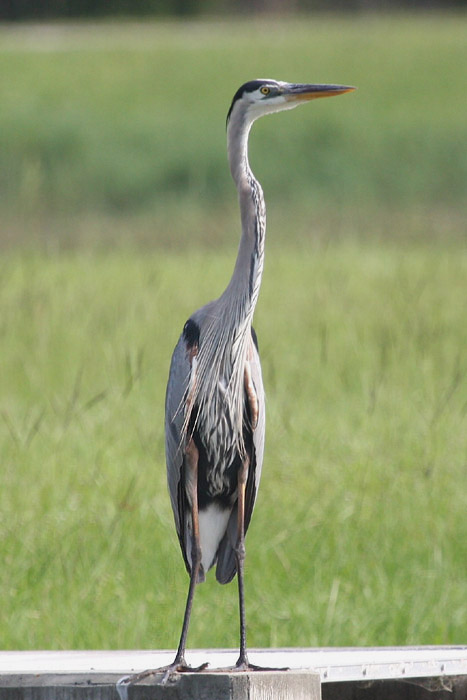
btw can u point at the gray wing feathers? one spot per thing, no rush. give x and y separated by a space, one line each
258 435
174 416
226 564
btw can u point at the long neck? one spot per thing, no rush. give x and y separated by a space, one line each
243 289
225 337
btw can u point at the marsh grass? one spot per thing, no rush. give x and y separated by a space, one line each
359 533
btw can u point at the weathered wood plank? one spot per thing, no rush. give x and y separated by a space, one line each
259 685
333 664
408 673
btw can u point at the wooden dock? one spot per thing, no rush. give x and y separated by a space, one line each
385 673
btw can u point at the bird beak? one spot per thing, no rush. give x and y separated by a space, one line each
303 93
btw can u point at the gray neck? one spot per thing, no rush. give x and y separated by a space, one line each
243 289
225 335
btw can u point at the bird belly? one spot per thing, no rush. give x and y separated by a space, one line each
212 526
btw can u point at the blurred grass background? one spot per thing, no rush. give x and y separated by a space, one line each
114 121
119 218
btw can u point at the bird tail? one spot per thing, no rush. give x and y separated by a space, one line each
226 563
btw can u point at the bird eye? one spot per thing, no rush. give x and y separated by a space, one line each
265 90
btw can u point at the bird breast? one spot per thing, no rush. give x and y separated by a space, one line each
215 404
217 431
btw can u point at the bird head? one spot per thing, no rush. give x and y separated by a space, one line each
259 97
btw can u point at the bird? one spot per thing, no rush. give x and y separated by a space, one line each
215 402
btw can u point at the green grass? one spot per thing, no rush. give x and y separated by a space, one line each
360 534
119 219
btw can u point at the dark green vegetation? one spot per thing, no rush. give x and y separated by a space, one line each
113 122
55 9
113 160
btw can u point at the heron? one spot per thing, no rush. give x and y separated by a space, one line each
215 403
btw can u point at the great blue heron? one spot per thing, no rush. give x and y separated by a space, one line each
215 411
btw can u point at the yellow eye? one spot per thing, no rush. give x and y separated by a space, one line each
265 90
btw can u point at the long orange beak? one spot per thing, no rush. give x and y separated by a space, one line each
299 92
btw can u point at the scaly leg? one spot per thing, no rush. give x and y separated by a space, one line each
242 662
179 664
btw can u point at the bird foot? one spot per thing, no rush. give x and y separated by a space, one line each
167 673
244 665
179 667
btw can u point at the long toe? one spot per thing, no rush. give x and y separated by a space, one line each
178 667
244 665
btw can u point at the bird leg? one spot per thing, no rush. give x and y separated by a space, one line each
179 664
242 663
251 395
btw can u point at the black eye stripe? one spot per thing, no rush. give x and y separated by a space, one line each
251 86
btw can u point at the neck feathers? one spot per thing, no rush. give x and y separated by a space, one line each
244 286
218 388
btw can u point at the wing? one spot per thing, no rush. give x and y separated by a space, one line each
254 443
179 377
254 475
